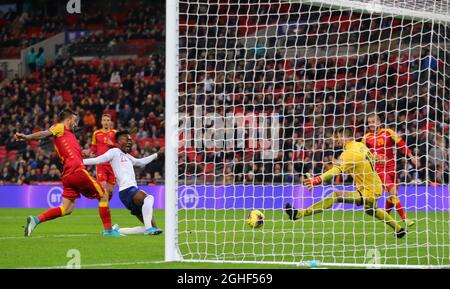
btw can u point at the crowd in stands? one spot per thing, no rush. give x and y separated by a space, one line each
136 103
420 113
109 23
20 30
130 90
138 27
311 95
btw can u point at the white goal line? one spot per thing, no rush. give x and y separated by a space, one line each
315 264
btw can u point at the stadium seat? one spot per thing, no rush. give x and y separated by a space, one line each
319 85
341 62
341 76
34 144
331 84
93 79
120 17
67 96
344 23
362 73
191 155
3 153
34 87
35 75
284 8
12 155
34 30
209 168
372 70
161 141
183 24
94 27
71 20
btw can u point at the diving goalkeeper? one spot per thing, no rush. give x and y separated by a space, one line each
358 161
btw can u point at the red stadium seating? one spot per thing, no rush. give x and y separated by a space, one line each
12 155
34 144
67 96
3 153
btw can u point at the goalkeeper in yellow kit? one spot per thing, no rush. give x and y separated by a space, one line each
359 162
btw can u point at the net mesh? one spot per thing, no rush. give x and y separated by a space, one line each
264 85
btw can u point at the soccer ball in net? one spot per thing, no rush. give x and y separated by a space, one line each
255 219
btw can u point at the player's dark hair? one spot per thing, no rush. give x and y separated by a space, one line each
345 131
107 115
121 133
66 113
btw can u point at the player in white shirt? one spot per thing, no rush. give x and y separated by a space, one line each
137 201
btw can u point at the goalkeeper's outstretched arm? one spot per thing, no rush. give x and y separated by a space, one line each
311 182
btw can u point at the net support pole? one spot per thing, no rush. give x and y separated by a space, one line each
171 126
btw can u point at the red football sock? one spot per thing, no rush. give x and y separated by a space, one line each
105 215
51 214
389 205
400 210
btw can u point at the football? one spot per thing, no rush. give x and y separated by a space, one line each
255 219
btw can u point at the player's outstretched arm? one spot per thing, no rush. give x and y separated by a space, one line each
104 158
144 161
35 136
342 165
311 182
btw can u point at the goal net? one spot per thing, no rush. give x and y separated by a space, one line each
255 93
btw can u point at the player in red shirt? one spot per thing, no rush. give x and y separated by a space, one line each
383 143
75 179
103 140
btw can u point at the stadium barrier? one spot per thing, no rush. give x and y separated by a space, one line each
420 198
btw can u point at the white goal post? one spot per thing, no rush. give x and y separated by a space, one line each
171 126
255 91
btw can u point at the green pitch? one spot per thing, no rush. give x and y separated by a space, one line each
338 236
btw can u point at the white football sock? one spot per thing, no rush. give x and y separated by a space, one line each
147 211
132 231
